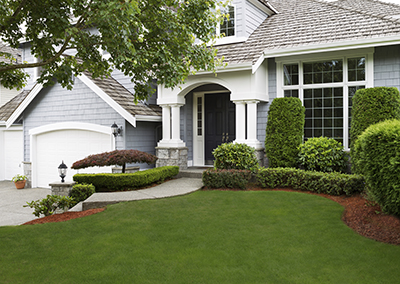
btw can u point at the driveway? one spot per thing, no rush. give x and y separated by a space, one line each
12 200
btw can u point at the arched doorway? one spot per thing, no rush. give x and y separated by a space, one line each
219 123
213 122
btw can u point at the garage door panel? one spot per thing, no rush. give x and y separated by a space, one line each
13 153
68 146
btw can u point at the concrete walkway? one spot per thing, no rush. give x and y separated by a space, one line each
12 200
175 187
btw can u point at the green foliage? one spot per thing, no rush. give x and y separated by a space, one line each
144 39
284 131
81 192
235 156
371 106
19 177
322 154
120 182
329 183
378 160
216 178
47 206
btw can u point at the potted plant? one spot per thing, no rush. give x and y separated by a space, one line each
19 181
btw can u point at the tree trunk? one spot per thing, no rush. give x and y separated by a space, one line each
123 168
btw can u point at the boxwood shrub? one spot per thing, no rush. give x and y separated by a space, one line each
284 131
119 182
378 160
217 178
329 183
237 156
81 192
322 154
371 106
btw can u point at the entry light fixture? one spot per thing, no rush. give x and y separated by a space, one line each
62 170
116 130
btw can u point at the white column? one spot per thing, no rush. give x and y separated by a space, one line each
252 125
166 123
176 123
240 121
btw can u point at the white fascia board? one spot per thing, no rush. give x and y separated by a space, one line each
148 118
230 68
24 104
335 46
118 108
267 9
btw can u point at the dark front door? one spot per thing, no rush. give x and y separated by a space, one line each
219 123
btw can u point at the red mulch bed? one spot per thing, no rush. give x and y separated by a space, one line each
360 214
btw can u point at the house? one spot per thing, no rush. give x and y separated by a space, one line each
67 125
318 51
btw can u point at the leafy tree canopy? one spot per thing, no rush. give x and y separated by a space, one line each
145 39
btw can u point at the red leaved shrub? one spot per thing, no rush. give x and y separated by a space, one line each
116 157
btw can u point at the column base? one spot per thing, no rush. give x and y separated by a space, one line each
172 156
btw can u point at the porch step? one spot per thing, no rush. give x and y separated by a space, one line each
192 172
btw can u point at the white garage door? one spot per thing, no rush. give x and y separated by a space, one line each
13 153
69 146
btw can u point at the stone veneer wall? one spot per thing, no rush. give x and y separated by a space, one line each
28 173
172 157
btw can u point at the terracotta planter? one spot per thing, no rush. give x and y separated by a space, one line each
20 184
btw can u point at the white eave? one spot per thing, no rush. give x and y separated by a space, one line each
267 7
148 118
233 67
123 112
334 46
88 82
326 47
24 104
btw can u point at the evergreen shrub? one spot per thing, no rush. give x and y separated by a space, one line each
371 106
120 181
329 183
378 160
81 192
235 156
217 178
284 131
322 154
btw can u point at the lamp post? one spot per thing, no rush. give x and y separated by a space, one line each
115 130
62 170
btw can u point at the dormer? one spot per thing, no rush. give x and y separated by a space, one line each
244 17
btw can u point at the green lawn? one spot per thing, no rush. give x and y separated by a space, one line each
204 237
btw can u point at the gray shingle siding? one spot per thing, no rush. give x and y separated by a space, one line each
263 107
387 66
56 104
144 137
187 124
254 17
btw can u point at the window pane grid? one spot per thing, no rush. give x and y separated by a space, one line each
324 113
228 26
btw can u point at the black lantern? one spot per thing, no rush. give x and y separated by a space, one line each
116 130
62 170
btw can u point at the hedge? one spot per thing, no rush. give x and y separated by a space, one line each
329 183
378 150
371 106
217 178
119 182
238 156
284 132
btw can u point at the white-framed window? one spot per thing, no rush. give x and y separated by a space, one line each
228 27
326 85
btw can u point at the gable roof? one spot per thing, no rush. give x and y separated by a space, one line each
112 92
7 110
309 24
